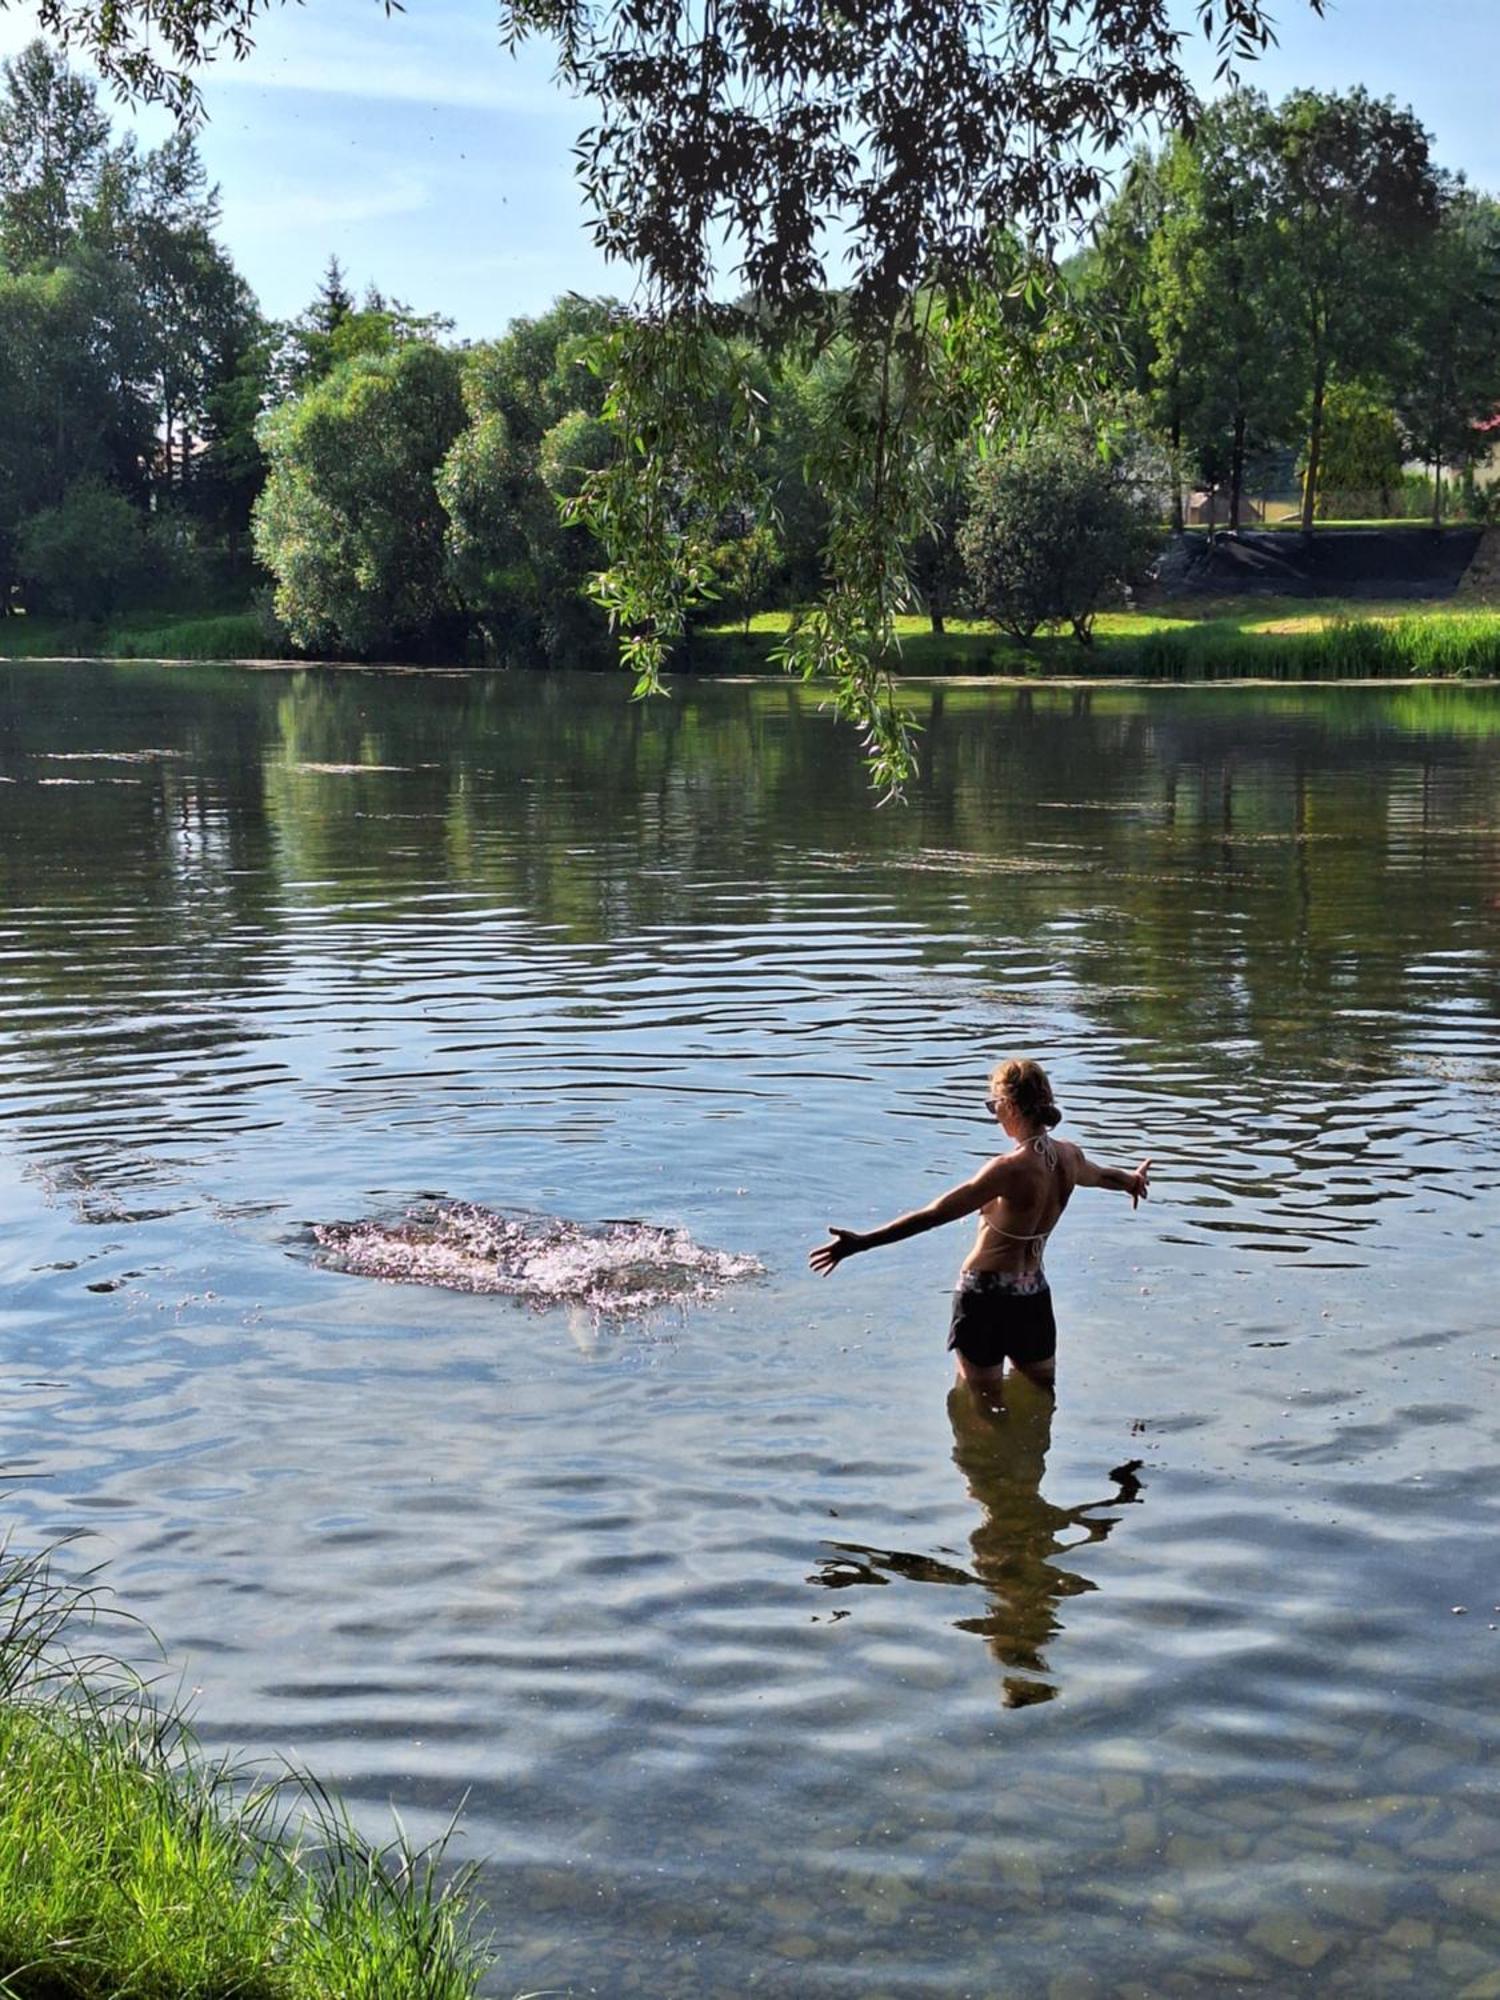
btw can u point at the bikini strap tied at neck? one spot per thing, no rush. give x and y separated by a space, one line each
1041 1144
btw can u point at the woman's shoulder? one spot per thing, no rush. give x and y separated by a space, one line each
1070 1156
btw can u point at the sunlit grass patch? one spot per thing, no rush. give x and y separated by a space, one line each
1244 638
134 1867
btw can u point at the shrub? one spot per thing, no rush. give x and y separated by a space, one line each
1054 533
87 556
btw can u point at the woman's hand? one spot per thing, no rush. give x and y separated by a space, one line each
1140 1183
828 1256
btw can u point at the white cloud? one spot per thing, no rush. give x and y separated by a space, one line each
492 84
353 50
276 210
451 58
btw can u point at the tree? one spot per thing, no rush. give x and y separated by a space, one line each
1232 304
1053 533
54 157
1354 195
85 556
349 523
230 469
334 301
140 317
492 501
1449 379
1361 462
533 441
333 330
69 410
840 170
199 314
1132 277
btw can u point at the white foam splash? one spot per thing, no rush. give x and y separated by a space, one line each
619 1270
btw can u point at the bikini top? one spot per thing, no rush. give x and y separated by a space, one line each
1041 1144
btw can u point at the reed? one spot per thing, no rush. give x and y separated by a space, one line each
232 635
228 636
1451 647
135 1867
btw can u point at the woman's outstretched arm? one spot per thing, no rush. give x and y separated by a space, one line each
958 1201
1134 1181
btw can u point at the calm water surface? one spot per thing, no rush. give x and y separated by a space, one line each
760 1667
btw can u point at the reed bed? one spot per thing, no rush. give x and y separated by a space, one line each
230 635
135 1867
1454 646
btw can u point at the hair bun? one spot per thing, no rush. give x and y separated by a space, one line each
1052 1116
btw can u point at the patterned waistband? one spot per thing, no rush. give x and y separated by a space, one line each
1015 1284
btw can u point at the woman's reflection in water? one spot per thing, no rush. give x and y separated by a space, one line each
1000 1440
1000 1443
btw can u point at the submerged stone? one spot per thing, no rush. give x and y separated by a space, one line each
1294 1943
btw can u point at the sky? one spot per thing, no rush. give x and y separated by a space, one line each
440 168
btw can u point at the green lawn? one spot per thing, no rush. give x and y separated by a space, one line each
1277 638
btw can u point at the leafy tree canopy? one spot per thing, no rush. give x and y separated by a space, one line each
349 521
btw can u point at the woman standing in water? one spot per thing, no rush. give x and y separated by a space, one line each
1002 1309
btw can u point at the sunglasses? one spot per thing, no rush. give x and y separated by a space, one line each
993 1105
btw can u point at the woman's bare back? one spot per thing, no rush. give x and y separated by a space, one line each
1015 1225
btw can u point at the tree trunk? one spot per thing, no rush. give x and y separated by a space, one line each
1314 451
1237 471
935 616
1437 491
1176 443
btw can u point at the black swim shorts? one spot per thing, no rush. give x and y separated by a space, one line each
995 1320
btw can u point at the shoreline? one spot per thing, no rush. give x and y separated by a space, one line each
773 676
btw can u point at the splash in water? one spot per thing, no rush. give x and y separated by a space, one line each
619 1270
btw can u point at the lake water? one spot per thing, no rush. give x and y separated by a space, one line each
756 1665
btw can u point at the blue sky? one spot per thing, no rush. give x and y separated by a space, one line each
436 165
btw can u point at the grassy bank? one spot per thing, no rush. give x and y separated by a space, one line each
1268 639
1231 639
132 1867
142 635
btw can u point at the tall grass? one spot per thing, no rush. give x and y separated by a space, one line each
135 1867
234 635
1453 646
228 636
